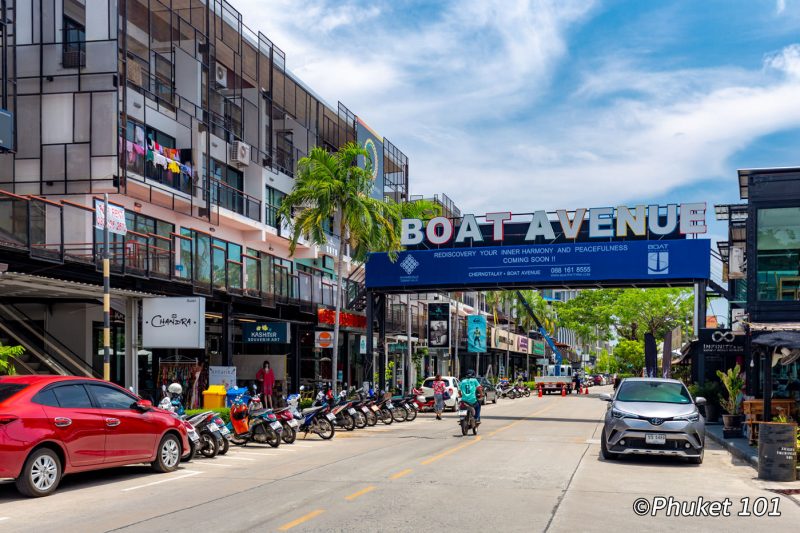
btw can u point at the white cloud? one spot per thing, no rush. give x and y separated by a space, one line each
465 91
780 6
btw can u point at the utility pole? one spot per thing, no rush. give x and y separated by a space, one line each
456 367
407 358
106 296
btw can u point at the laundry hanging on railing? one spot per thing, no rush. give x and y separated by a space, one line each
168 158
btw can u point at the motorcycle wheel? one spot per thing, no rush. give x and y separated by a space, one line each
386 417
289 434
225 446
238 441
412 415
361 420
399 414
273 439
348 422
209 446
464 427
192 451
372 418
527 393
474 429
325 429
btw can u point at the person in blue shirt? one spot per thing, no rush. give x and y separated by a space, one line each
469 393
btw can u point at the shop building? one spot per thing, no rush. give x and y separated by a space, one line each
192 124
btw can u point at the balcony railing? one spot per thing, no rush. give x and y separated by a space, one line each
235 200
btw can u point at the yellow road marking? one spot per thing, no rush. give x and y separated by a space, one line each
301 520
401 473
451 450
360 493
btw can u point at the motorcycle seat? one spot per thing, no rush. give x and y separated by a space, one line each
260 412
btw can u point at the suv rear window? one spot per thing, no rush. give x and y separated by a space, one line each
7 390
428 383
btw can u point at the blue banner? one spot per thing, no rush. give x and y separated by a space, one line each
265 332
573 264
476 333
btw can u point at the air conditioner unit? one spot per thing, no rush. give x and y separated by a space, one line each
221 74
240 153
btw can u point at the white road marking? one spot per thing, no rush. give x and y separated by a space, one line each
4 518
240 458
187 473
592 441
217 464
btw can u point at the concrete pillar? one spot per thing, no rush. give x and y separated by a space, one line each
132 344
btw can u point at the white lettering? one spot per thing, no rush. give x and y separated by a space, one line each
693 218
601 222
636 222
653 220
498 219
571 228
411 232
469 229
439 222
540 225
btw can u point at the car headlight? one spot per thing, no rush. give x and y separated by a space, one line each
618 413
691 417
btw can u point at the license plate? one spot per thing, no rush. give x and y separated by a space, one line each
389 406
375 408
462 414
224 430
194 436
655 438
365 409
351 411
331 417
275 425
293 423
213 427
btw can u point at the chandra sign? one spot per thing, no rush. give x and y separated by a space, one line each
173 323
642 221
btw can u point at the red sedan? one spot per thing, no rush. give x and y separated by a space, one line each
56 425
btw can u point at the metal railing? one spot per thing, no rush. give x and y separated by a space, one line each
235 200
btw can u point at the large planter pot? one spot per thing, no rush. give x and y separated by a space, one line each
711 412
732 426
777 451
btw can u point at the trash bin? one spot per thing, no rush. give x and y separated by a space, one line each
234 392
214 397
777 451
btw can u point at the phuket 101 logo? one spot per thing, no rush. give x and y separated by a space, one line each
657 259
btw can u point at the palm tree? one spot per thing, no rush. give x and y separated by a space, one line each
333 183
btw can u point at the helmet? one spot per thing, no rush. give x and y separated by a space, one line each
470 373
175 388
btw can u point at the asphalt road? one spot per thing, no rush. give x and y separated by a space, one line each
534 466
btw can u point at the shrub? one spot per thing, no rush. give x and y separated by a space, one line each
223 412
305 403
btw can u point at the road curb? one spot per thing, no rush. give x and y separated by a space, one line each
748 456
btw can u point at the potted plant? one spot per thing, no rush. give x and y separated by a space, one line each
710 390
732 420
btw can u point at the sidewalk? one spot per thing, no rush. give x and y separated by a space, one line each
739 448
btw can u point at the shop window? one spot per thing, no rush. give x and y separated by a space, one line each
73 35
778 254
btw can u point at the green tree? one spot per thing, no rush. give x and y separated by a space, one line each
328 184
7 353
656 311
590 314
607 363
630 356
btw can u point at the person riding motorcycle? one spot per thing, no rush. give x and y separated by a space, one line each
469 393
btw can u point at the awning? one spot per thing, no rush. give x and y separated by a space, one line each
774 326
18 285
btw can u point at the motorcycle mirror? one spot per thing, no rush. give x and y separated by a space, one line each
302 387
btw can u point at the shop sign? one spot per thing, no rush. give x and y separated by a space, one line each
398 347
174 323
476 333
538 347
323 339
362 344
116 217
543 361
439 325
721 341
346 320
222 375
266 332
522 344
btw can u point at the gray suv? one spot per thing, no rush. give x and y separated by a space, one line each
653 416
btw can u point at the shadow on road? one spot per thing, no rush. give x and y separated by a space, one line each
541 419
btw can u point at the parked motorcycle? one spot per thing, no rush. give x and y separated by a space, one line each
202 438
253 425
316 419
287 419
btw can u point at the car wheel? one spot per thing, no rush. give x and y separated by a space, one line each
168 454
41 474
607 455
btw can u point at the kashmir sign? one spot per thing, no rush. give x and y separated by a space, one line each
266 332
174 323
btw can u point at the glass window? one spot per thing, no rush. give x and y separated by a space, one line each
72 396
109 398
653 391
46 397
274 201
778 250
74 35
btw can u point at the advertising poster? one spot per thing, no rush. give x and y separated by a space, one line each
439 325
174 322
373 144
265 332
222 375
476 333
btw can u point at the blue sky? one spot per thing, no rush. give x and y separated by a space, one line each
523 104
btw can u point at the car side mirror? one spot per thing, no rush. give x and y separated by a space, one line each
699 401
606 397
143 405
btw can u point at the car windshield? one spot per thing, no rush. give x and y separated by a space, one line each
7 390
653 391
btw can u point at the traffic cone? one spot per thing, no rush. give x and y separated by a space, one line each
563 390
540 391
586 389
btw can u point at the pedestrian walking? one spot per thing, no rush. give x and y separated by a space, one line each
438 396
617 381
